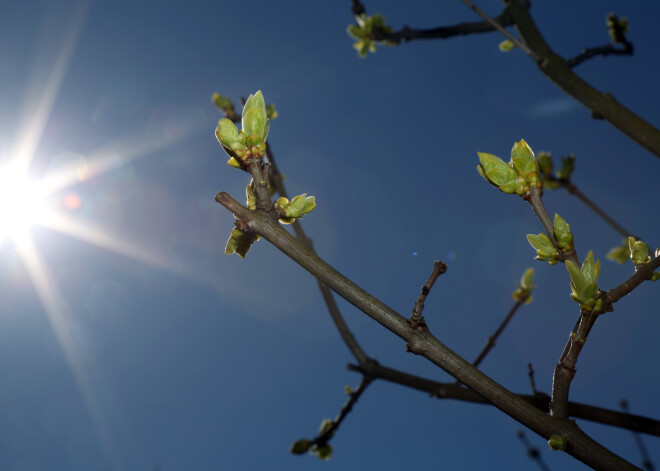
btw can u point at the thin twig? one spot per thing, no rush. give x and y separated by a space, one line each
531 379
646 458
572 189
539 400
517 41
490 343
608 50
532 451
442 32
347 336
325 436
416 318
569 186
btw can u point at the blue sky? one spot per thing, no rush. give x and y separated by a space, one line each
129 341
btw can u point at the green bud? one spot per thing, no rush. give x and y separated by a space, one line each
251 196
348 390
534 179
525 287
584 281
323 452
544 160
364 31
497 173
617 28
227 133
655 276
567 167
255 120
297 207
355 32
222 102
545 251
271 112
240 242
522 157
563 234
300 447
517 176
557 443
639 251
326 425
620 254
232 162
300 205
507 45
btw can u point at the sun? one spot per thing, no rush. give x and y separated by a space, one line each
22 202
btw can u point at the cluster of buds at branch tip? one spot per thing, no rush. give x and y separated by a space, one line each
250 142
367 31
546 166
517 176
635 250
525 287
617 28
296 208
584 283
225 104
322 451
245 149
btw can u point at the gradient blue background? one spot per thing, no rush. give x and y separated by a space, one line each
173 356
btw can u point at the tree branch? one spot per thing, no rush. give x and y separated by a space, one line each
642 273
442 32
540 400
533 197
421 342
602 105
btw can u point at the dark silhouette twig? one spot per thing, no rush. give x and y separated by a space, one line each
540 400
608 50
532 382
646 458
490 343
532 451
416 318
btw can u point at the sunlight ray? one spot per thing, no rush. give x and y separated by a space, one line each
100 238
32 127
57 313
106 159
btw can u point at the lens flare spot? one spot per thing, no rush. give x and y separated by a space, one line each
72 201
